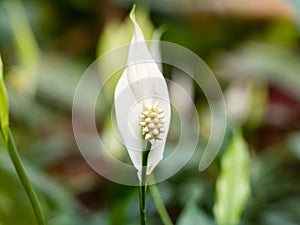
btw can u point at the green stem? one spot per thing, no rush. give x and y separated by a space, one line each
16 160
162 211
142 208
143 184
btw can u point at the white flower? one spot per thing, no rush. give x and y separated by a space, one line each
142 104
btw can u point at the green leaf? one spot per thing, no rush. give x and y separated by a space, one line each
265 61
193 215
24 41
233 184
3 105
25 44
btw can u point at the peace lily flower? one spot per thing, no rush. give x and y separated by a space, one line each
142 104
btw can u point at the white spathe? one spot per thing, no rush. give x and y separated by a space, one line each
141 86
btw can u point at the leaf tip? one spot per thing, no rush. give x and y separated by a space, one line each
132 12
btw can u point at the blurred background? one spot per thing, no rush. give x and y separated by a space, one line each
252 47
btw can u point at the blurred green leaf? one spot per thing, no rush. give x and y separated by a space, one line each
193 215
4 114
283 32
25 44
277 217
63 74
293 143
265 62
233 184
258 105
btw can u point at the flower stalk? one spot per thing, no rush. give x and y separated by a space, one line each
159 204
143 184
16 160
